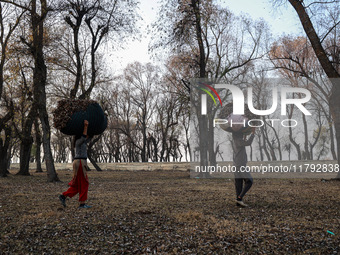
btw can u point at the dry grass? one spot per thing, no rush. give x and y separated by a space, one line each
168 213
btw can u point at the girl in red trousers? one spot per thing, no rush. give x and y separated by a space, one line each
79 183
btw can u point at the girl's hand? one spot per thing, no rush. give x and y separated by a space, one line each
86 123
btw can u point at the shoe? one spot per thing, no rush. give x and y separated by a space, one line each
85 206
62 199
241 203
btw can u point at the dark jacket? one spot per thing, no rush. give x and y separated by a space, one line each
240 154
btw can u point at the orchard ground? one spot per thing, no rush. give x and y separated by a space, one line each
166 212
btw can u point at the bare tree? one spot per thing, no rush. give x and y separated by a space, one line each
5 140
296 61
143 80
329 65
37 11
61 148
167 123
202 31
91 22
8 23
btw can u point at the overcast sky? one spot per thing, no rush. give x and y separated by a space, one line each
282 21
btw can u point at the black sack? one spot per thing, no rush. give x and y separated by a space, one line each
70 114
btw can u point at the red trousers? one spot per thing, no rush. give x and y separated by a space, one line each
80 181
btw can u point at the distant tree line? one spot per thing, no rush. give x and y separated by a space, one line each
57 49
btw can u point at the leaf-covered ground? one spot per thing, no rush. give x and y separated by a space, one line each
168 213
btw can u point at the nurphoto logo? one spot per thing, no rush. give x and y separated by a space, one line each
238 105
238 99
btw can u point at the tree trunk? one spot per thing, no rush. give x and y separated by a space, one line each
269 143
9 157
203 125
116 149
335 109
49 161
291 139
306 143
4 147
143 151
211 141
314 39
187 141
316 139
94 163
39 84
25 154
327 66
3 163
296 145
26 142
264 146
331 134
278 141
89 153
261 149
38 145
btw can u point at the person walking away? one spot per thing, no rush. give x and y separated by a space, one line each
243 180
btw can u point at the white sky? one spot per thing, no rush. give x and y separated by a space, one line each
282 20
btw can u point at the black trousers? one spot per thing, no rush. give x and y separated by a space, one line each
240 179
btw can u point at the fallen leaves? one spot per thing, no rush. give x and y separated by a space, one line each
167 212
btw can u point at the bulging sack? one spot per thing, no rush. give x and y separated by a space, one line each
227 113
236 123
70 114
